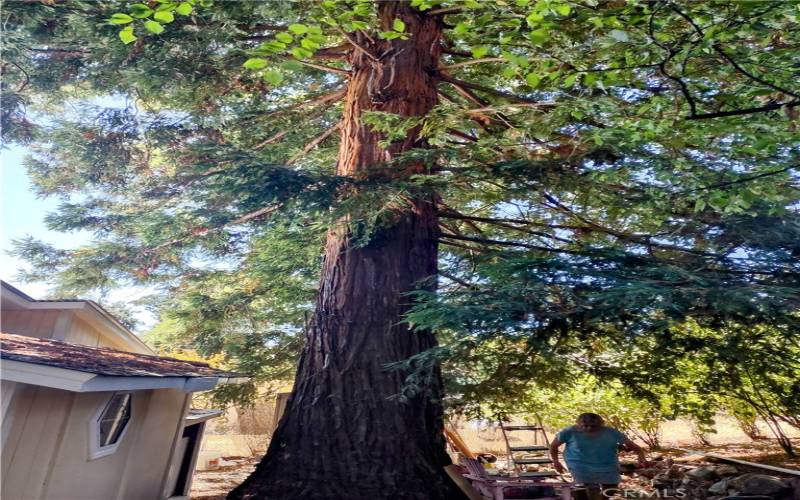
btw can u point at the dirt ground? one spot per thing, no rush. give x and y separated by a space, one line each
728 441
215 484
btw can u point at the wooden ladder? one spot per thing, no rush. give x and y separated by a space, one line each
539 448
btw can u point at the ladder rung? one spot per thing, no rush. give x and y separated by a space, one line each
522 428
525 461
529 448
539 473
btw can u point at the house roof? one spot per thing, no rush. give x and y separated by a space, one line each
88 307
102 366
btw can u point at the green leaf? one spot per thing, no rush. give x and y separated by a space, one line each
164 16
699 205
120 18
362 9
316 37
291 65
539 36
358 25
272 47
478 52
461 29
127 36
298 29
570 80
619 35
563 9
154 27
140 11
273 77
718 200
255 63
301 53
398 25
284 37
534 18
389 35
309 44
533 79
184 9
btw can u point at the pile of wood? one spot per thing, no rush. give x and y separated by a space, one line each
699 477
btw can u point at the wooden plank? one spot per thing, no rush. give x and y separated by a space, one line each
455 474
455 438
782 470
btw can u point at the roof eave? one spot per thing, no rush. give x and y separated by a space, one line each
78 381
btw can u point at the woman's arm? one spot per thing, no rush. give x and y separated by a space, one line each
557 465
638 449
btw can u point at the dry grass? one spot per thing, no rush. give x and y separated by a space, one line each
482 437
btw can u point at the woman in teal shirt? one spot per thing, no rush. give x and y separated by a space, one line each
591 452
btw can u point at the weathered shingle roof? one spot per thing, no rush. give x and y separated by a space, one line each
100 360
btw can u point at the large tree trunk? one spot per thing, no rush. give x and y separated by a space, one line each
345 433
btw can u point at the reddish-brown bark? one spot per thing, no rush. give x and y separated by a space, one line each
345 434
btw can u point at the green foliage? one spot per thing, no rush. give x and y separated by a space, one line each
153 17
636 417
606 173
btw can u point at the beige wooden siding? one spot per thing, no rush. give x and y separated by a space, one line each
74 476
33 323
46 454
81 332
33 441
160 431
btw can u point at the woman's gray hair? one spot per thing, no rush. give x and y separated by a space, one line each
590 419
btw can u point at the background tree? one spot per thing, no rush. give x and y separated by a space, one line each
578 175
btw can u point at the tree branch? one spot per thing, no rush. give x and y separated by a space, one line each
358 46
335 52
662 66
322 67
462 135
313 144
511 244
445 10
474 61
740 181
271 140
456 52
329 98
488 90
718 49
458 280
746 111
202 231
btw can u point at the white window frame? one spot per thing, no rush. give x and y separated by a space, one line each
95 450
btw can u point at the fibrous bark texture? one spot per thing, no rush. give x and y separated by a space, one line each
346 434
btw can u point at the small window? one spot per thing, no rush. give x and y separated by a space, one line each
110 424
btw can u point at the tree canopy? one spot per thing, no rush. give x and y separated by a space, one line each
612 179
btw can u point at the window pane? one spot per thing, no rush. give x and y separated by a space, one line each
114 418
